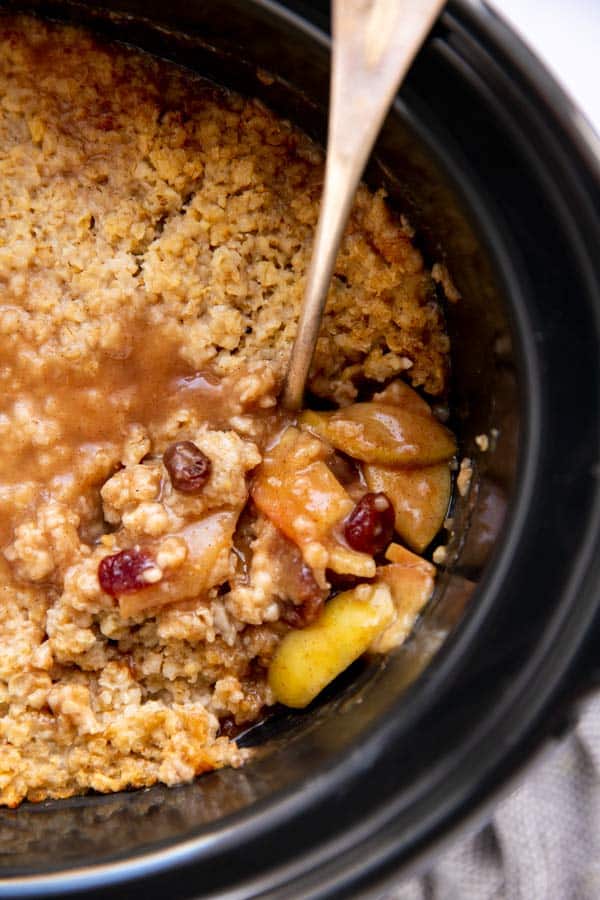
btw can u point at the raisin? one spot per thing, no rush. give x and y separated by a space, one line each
309 601
341 582
122 573
343 467
308 589
188 467
370 526
229 728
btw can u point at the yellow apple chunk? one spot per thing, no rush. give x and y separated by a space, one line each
206 565
384 434
307 660
420 498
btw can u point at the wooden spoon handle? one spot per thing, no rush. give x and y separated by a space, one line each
374 44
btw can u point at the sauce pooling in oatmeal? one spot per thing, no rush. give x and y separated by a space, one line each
69 427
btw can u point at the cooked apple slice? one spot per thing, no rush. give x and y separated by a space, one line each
383 433
295 488
399 393
396 553
309 659
411 581
206 565
420 498
345 561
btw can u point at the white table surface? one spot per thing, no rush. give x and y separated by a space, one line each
565 34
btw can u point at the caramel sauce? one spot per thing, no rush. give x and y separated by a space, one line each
65 423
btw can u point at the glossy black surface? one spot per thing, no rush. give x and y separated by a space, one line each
484 156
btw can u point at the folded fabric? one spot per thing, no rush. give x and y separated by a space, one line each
543 842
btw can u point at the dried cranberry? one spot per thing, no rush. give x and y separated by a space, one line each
122 573
370 526
188 467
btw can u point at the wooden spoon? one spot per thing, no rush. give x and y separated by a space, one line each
374 44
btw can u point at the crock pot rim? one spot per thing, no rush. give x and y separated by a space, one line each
107 873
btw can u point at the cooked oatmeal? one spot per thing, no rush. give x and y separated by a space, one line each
164 527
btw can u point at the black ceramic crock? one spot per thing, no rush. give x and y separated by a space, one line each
500 176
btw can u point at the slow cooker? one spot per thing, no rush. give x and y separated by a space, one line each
500 176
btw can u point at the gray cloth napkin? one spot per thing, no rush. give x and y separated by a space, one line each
544 840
